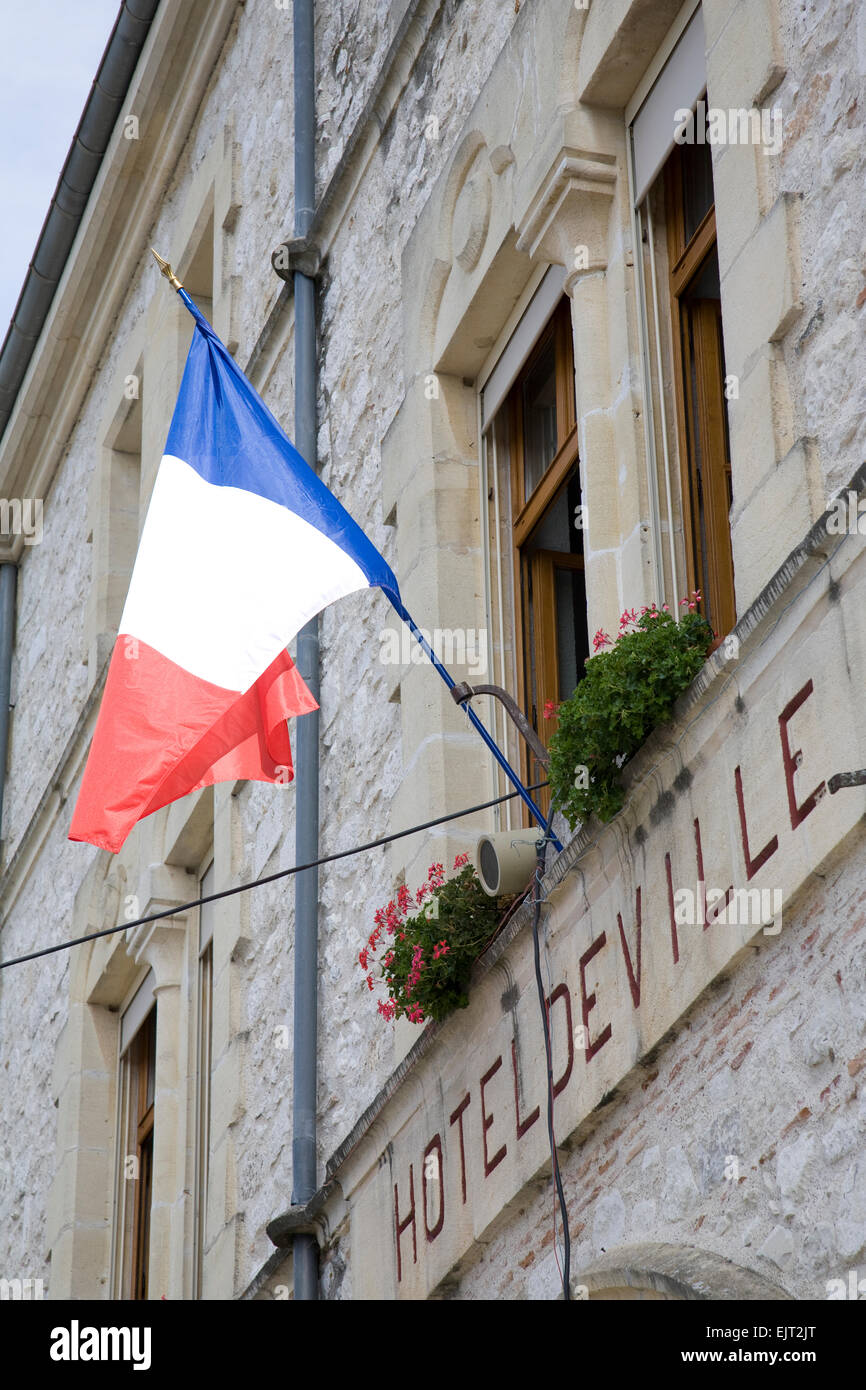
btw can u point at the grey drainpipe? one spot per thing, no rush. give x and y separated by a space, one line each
74 186
8 581
304 1179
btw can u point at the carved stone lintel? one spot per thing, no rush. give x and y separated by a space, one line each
567 220
471 218
162 944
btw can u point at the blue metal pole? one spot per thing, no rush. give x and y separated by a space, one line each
476 723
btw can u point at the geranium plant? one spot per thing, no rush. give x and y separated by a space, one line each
629 688
425 945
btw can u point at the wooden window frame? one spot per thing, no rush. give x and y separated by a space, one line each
686 261
204 1065
139 1062
535 572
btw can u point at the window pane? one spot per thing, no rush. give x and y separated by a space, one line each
205 1032
697 167
571 649
708 442
150 1062
145 1178
539 419
558 528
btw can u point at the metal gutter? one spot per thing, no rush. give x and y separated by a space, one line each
306 982
79 173
8 586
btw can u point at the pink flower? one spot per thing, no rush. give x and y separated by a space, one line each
600 639
415 1014
386 1008
440 949
549 711
461 861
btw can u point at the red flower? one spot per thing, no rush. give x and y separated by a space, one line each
600 639
369 981
461 860
549 711
362 958
441 949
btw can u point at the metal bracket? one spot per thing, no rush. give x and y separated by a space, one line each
846 779
297 254
464 691
306 1220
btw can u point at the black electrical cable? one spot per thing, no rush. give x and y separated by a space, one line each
269 878
545 1023
400 834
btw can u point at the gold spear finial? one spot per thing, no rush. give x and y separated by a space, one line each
167 271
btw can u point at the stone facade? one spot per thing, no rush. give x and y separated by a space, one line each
711 1145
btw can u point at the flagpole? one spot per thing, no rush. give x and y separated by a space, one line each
475 721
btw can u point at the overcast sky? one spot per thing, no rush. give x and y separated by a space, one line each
49 53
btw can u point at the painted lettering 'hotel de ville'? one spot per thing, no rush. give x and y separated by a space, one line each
564 302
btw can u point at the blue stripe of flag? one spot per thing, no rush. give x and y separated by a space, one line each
222 428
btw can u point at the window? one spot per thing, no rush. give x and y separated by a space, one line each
699 380
682 351
536 530
204 1066
137 1093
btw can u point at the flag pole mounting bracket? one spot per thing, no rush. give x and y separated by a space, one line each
463 691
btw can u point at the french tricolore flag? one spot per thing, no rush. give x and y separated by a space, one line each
241 546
